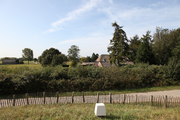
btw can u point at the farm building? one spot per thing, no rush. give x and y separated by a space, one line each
8 62
88 63
103 61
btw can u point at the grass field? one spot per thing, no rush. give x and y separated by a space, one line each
86 112
31 65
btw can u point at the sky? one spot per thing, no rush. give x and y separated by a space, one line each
42 24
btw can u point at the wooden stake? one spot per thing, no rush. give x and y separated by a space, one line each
14 100
165 102
27 99
151 100
98 97
83 97
136 99
73 97
57 94
44 97
110 98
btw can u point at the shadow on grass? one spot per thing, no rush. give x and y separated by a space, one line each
110 117
120 117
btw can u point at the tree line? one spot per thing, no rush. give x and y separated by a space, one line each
158 48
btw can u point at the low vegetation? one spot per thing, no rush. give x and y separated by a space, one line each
86 112
26 79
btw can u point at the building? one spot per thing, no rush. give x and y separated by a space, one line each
8 62
88 63
103 61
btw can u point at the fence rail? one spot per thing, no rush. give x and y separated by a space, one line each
83 97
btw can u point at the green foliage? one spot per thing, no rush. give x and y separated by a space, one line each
83 59
47 56
58 59
144 52
172 70
73 53
21 62
26 79
73 63
35 59
27 54
118 45
94 57
133 47
166 44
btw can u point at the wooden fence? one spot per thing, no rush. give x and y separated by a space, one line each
83 97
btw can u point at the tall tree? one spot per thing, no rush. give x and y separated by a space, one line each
73 53
27 53
118 48
133 47
94 57
144 53
161 46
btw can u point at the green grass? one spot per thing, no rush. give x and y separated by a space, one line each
86 111
31 65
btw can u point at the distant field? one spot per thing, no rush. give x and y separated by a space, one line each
31 65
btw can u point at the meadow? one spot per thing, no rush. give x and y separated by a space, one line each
30 65
86 112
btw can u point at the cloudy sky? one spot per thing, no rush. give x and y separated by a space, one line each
42 24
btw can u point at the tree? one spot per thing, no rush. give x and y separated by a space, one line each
73 53
58 59
47 56
176 49
165 44
88 59
144 53
27 54
118 48
94 57
133 47
83 59
35 59
72 63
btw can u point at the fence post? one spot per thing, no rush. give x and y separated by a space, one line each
14 100
110 98
57 97
124 98
151 100
44 97
98 97
136 99
72 96
27 98
83 97
165 101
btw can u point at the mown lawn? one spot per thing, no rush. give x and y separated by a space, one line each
86 112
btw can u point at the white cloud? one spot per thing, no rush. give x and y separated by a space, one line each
68 41
111 1
72 15
156 4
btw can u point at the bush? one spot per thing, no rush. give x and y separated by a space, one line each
25 79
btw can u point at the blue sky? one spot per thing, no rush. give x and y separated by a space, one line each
42 24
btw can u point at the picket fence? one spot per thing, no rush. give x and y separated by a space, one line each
85 97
